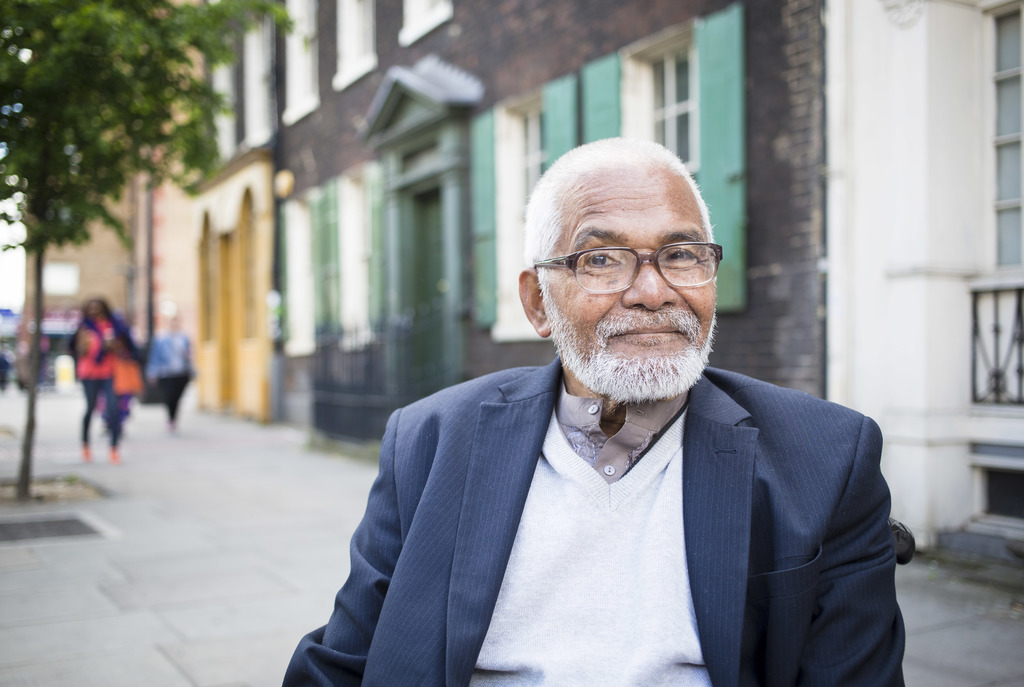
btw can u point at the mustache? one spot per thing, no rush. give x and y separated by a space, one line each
679 319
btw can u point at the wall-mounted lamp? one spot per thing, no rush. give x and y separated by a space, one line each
284 183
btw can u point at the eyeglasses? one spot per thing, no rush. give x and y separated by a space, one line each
610 270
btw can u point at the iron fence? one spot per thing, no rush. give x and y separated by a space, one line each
361 375
997 345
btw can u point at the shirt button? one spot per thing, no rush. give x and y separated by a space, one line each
609 470
593 409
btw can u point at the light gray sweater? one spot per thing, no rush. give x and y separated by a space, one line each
596 591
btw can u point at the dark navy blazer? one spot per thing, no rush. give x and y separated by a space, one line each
788 547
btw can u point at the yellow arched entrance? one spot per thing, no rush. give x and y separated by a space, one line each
236 257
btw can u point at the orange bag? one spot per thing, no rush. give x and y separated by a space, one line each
127 377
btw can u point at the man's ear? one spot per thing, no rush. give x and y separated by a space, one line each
533 303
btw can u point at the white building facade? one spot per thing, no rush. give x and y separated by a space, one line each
925 268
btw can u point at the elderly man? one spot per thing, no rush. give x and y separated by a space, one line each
623 516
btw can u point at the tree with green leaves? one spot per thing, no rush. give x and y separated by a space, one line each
92 93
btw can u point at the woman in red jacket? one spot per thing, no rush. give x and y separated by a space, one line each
98 340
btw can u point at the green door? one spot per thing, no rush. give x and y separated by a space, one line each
424 292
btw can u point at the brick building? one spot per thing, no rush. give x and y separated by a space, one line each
406 137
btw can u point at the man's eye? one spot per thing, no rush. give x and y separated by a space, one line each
601 261
680 256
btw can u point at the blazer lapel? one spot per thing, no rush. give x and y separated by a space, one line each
503 458
718 466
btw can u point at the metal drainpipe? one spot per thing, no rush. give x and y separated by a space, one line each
823 267
277 356
149 263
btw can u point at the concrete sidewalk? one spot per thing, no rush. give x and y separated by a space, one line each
217 548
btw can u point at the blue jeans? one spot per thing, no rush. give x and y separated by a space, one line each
111 412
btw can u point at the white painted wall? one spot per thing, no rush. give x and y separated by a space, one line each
301 317
905 219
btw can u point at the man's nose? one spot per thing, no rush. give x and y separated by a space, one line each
649 290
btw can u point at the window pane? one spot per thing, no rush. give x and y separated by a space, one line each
1008 42
659 131
1008 104
682 79
1008 237
1008 171
659 85
366 27
683 137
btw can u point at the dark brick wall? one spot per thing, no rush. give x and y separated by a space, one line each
515 46
512 46
780 336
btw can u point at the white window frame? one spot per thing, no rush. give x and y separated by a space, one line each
354 245
638 110
300 290
302 92
991 256
225 122
420 17
257 55
357 43
512 160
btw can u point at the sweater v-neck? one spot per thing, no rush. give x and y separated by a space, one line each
609 496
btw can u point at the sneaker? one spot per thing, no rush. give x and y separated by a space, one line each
86 453
115 456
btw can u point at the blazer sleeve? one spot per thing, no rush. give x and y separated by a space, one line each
857 635
335 654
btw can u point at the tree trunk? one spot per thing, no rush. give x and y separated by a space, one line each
34 359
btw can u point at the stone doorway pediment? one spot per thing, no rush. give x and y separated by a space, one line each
413 98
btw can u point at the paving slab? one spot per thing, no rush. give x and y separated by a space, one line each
249 662
231 619
111 669
973 649
188 591
84 637
47 604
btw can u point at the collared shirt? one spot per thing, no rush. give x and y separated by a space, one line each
580 420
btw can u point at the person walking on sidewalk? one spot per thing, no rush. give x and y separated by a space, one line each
96 343
170 367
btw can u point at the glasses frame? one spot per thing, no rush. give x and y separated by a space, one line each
572 260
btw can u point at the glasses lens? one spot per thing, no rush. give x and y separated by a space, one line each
605 269
687 264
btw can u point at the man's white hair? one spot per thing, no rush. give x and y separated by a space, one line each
560 184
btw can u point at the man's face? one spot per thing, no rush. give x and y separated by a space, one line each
652 340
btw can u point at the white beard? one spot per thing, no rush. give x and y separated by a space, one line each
632 379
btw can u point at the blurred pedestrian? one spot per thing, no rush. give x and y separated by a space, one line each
5 369
127 374
97 342
170 367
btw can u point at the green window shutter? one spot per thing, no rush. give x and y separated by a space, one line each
316 206
602 116
722 175
282 271
561 131
484 191
378 249
331 284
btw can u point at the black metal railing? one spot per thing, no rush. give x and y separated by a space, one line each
997 345
360 376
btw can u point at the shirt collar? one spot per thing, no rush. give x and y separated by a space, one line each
582 411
